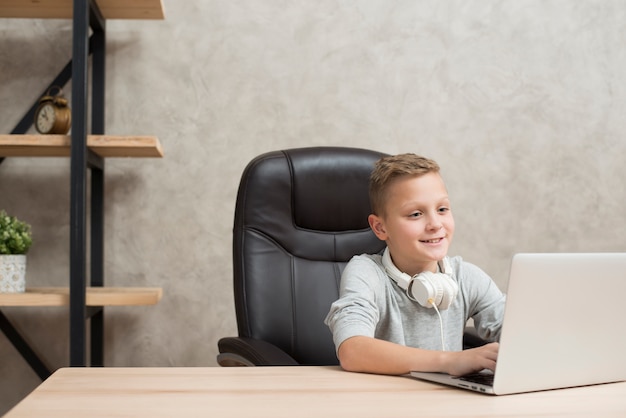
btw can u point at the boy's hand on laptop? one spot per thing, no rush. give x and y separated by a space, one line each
473 360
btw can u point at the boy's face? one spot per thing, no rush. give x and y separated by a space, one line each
417 225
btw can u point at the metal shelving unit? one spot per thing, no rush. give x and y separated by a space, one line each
87 152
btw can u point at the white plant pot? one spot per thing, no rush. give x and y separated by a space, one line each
12 273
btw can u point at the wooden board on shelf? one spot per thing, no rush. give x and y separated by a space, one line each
62 9
125 146
96 296
59 146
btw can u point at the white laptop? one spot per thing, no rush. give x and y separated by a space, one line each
564 324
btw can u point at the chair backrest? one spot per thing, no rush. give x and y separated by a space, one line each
301 214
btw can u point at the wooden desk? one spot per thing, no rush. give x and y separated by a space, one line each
291 392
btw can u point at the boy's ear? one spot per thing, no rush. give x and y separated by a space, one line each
377 226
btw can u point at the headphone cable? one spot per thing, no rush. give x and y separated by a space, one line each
432 302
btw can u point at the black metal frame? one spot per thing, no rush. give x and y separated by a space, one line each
25 350
86 15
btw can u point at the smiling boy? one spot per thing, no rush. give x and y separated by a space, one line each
406 308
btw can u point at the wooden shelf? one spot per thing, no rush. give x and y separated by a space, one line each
62 9
83 24
59 146
96 296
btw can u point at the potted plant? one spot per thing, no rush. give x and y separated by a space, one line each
15 240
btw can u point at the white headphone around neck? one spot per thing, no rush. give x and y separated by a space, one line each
426 288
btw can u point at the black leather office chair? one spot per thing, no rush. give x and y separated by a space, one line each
300 216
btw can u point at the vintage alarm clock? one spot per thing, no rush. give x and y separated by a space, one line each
53 115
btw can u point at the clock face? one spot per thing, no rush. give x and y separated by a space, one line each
45 118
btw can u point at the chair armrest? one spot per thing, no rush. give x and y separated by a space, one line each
471 338
243 351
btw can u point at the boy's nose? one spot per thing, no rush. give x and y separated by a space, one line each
434 223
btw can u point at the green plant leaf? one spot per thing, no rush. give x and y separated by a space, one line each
15 235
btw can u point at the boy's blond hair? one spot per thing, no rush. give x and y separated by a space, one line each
388 169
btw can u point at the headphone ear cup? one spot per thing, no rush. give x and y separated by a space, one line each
434 289
425 290
450 290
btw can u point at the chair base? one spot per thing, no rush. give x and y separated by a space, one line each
233 360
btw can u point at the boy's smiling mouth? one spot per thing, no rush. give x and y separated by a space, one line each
431 241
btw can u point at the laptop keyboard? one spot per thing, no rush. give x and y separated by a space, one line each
482 378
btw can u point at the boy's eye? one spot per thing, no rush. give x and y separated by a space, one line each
415 215
444 209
